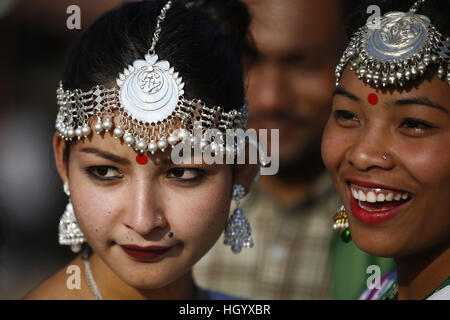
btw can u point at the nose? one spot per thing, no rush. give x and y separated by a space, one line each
268 88
372 150
145 214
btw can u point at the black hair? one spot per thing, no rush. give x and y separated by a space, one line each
203 41
437 10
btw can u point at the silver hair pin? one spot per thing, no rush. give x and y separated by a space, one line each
149 99
400 50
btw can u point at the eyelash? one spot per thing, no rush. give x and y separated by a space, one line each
199 174
174 171
91 172
344 115
418 126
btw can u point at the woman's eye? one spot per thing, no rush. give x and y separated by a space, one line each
185 174
345 117
104 173
416 126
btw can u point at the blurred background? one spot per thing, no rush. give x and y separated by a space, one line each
35 42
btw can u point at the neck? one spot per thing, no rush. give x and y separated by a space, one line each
114 288
293 181
420 275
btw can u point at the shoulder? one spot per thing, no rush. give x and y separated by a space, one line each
56 287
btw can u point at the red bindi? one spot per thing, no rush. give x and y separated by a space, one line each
373 99
141 158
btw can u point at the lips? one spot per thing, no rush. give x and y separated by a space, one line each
144 253
374 203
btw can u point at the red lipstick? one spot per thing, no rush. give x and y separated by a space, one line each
375 217
370 209
144 253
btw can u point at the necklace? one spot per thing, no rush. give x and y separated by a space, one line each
89 276
199 294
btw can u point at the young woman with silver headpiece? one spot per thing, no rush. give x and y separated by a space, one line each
138 83
387 147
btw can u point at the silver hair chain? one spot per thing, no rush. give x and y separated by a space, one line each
159 20
416 5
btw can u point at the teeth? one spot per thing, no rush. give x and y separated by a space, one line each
361 196
377 196
371 197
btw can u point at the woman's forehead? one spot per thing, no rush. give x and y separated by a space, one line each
429 86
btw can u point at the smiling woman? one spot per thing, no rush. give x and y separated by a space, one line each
387 146
144 221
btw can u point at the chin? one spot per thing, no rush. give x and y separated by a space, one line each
147 280
377 242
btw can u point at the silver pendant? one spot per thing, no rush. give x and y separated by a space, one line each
149 89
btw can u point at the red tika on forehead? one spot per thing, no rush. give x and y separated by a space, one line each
141 159
372 98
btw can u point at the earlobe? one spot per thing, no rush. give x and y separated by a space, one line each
58 151
245 174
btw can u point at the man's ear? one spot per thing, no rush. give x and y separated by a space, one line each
245 174
58 151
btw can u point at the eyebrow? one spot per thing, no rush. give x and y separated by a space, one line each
342 92
420 101
107 155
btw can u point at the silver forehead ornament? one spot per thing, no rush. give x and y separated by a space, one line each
399 50
149 102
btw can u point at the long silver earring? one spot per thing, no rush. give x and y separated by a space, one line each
238 232
70 233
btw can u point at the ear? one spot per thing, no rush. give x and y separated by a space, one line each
58 151
245 174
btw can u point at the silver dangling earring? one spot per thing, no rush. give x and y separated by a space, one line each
70 233
238 232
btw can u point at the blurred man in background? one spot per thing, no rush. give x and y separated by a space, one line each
290 82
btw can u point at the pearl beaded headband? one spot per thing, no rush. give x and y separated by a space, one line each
400 50
149 101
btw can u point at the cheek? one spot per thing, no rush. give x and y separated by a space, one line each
333 147
95 211
204 211
428 161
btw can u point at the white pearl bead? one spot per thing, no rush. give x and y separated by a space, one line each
107 124
128 139
71 133
162 144
183 134
141 145
98 127
152 146
78 132
118 132
172 139
86 130
203 144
